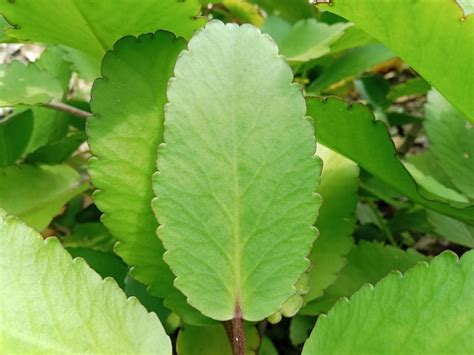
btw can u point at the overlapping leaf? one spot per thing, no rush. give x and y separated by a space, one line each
366 263
289 10
424 311
336 220
435 49
352 132
52 304
15 133
93 27
37 193
128 103
237 175
452 142
26 84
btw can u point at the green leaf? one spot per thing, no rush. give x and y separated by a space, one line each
213 340
352 132
366 263
415 86
452 142
15 133
26 84
336 220
53 61
105 264
86 66
305 40
425 311
3 26
235 198
36 193
424 44
300 328
59 151
352 63
93 27
352 37
452 230
126 160
91 235
292 11
52 304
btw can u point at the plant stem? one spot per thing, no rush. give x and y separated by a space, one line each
411 136
380 219
235 332
61 106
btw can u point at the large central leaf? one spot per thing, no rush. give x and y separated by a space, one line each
433 36
94 26
237 175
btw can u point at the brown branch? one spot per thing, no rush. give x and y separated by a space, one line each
235 332
61 106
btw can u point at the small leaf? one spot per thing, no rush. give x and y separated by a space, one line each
336 220
452 142
91 235
425 311
352 63
237 175
36 193
366 263
300 328
126 160
353 132
26 84
52 304
416 86
81 25
57 152
307 39
403 29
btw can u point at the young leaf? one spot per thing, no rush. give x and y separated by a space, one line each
93 27
336 220
27 84
425 311
366 263
353 132
452 142
36 193
351 64
129 101
52 304
307 39
237 175
410 31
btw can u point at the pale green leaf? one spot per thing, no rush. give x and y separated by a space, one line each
451 229
237 175
53 61
93 27
426 311
213 340
124 139
452 142
36 193
366 263
352 37
352 63
307 39
51 304
353 132
437 50
26 84
336 220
